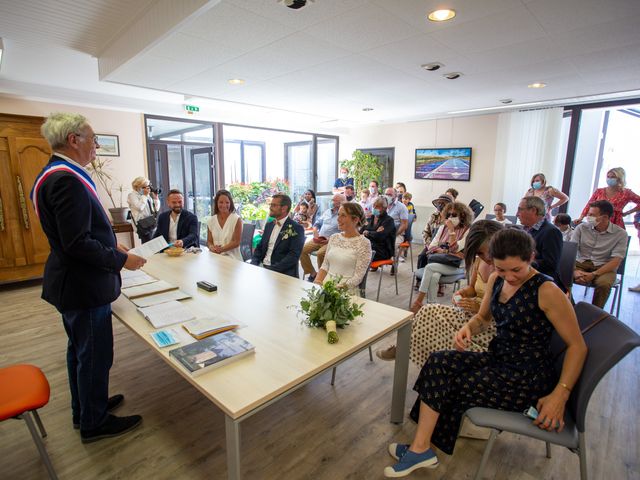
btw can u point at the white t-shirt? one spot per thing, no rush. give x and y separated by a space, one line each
173 228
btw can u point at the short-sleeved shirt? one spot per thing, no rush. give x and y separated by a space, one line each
599 247
327 224
339 183
398 211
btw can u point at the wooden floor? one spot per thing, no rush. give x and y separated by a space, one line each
319 432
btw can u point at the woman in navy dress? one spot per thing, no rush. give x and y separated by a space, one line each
515 373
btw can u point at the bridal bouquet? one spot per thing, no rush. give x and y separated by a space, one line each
329 306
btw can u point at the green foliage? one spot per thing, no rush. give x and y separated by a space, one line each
256 193
329 302
250 212
363 167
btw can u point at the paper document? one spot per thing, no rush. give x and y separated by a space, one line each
139 278
160 298
203 327
146 250
159 286
167 314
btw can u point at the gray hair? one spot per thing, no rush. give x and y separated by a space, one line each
58 126
537 203
382 200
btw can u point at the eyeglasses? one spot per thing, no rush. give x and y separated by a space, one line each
94 137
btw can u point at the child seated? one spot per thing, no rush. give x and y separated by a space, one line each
406 199
301 216
364 203
563 222
499 210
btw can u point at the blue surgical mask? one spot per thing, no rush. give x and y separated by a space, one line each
536 185
376 212
343 176
612 182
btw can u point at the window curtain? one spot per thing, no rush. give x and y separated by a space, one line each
528 142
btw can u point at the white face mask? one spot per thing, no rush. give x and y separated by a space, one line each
390 199
372 190
343 176
455 221
591 220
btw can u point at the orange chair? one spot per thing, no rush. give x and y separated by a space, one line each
379 264
24 389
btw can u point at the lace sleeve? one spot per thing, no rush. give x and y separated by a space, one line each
363 259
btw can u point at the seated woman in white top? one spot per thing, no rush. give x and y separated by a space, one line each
500 209
143 203
348 252
224 227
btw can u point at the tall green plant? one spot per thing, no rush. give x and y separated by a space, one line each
363 167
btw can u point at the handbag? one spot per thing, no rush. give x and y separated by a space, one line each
445 259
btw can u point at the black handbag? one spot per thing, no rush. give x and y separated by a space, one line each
445 259
147 224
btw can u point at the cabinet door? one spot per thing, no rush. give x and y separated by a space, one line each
12 252
29 156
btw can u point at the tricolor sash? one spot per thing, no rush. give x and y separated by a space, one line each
61 166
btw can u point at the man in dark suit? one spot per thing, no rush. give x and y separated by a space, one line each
282 240
82 273
531 212
178 226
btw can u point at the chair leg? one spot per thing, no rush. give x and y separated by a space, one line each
333 376
43 432
413 281
370 354
583 456
379 282
26 416
411 253
487 453
396 276
548 449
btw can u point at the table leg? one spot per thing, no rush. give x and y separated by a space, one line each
232 428
400 374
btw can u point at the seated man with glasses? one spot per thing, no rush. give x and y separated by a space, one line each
282 240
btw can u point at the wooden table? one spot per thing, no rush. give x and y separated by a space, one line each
287 354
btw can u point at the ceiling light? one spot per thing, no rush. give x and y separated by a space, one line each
452 75
236 81
367 109
441 15
537 85
431 67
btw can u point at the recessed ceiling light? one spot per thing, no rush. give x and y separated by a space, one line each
452 75
506 101
537 85
236 81
367 109
430 67
441 15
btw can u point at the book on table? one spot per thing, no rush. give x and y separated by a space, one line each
167 314
211 352
205 327
153 288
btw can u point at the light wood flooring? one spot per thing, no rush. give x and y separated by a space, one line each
319 432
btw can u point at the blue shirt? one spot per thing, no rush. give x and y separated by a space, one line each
398 211
327 224
339 183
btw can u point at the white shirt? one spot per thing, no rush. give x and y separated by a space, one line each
272 240
173 228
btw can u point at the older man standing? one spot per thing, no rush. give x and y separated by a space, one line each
82 273
601 248
531 212
325 226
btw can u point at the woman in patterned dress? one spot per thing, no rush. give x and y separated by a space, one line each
616 194
348 252
547 193
516 372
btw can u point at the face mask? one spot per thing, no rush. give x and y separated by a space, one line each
141 191
349 198
343 176
591 220
390 199
612 182
455 221
536 185
376 212
372 190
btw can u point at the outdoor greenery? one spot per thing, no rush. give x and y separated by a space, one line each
250 199
329 306
363 167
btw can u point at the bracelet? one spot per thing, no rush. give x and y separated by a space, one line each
564 385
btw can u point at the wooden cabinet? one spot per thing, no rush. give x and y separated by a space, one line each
23 152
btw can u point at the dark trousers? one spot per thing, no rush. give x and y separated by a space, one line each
89 358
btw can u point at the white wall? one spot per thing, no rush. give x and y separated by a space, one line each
478 132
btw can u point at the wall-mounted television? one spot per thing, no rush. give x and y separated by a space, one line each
443 164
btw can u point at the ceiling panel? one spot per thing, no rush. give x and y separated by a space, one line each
561 16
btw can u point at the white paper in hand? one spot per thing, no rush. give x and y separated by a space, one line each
146 250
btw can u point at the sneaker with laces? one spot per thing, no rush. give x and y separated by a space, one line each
388 354
410 462
397 450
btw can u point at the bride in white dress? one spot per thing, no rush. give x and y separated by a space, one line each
224 227
348 252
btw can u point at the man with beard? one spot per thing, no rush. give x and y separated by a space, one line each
178 226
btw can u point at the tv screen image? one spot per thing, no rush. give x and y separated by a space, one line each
443 164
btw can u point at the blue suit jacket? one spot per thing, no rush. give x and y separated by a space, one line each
286 252
187 228
548 250
83 268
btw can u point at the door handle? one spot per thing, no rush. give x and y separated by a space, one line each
23 203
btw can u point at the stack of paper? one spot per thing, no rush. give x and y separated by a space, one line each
205 327
133 278
146 250
148 289
167 314
160 298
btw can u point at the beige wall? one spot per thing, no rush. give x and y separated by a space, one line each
127 125
478 132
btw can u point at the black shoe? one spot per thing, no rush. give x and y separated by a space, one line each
393 271
113 403
112 427
311 278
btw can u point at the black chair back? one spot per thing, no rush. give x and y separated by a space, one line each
512 218
567 264
363 284
476 207
246 241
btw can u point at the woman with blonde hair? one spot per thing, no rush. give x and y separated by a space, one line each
547 193
616 194
348 252
144 205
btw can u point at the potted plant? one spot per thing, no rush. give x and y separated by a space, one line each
330 307
98 169
363 167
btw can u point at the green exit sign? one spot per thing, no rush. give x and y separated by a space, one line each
191 108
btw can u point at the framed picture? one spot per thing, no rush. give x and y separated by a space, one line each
109 145
443 164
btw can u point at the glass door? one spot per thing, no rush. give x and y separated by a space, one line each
201 196
299 168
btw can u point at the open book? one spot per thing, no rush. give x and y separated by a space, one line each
205 327
167 314
148 289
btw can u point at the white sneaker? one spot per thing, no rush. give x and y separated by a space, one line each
402 260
